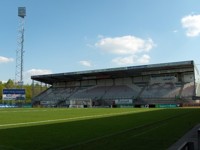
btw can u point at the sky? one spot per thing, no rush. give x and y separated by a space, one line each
78 35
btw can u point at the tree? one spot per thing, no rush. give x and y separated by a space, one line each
10 84
38 88
1 89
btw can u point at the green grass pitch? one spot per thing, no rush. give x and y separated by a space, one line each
94 128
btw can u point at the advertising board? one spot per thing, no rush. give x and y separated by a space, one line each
14 94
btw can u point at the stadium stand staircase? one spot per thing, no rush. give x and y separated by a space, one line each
143 87
181 89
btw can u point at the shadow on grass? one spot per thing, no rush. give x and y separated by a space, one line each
146 130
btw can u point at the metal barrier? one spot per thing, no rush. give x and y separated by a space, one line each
190 145
187 146
198 138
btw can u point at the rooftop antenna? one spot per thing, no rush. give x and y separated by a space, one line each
20 48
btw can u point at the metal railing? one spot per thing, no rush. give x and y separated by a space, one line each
191 145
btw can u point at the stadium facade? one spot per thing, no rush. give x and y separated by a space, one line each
156 85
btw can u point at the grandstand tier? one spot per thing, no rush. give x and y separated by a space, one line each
167 83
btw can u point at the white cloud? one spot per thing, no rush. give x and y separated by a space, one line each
192 25
85 63
123 60
130 60
31 72
38 72
144 59
100 36
4 81
5 59
130 49
125 45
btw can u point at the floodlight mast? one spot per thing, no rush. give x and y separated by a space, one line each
20 49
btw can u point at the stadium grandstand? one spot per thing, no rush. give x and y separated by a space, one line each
155 85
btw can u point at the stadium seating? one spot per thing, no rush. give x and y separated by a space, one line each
160 91
143 93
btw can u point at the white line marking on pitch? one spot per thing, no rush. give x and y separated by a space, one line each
19 111
66 119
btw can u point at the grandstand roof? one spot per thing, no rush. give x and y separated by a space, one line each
114 72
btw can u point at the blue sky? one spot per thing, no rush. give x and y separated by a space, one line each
77 35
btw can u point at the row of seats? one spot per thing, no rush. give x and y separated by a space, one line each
129 91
